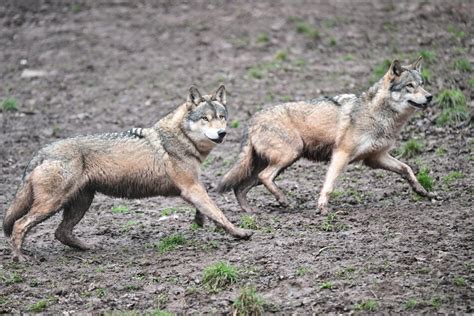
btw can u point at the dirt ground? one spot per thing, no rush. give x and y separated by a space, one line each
112 65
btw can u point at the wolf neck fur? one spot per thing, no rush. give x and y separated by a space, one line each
173 122
378 103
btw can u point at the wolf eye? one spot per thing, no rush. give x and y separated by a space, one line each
411 86
221 117
205 119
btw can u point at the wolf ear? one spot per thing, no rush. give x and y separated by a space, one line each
417 64
194 96
395 68
220 95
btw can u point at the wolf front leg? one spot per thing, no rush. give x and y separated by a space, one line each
196 194
387 162
339 161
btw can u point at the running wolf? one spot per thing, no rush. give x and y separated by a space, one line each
341 129
142 162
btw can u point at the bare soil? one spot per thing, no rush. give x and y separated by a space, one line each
112 65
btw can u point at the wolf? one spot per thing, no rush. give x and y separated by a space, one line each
341 129
162 160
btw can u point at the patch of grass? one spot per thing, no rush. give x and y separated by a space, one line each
411 304
450 98
128 225
425 179
411 148
263 38
459 281
330 223
281 56
326 285
435 302
348 57
368 305
454 105
456 32
39 306
440 151
380 70
248 303
426 75
120 209
220 275
453 176
300 62
462 64
308 30
428 56
168 211
10 104
13 278
100 292
255 72
160 312
336 194
332 41
235 123
248 222
470 82
170 242
194 226
301 271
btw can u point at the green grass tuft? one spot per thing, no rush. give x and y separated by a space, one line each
426 75
412 148
10 104
220 275
369 305
326 285
454 105
235 124
170 242
411 304
471 82
39 306
425 179
453 176
463 65
459 281
380 70
120 209
281 56
248 222
428 56
13 278
308 30
263 38
248 303
456 32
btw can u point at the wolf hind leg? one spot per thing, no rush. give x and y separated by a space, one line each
40 211
241 194
73 213
275 166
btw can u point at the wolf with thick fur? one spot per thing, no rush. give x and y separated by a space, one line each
162 160
341 129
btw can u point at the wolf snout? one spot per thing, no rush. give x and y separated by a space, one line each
221 133
429 97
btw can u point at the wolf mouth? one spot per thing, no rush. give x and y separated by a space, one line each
217 140
418 105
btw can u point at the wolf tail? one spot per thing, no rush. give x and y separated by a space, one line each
242 169
20 206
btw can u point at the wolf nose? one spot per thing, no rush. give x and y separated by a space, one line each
429 97
221 133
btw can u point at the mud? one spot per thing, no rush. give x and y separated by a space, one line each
111 65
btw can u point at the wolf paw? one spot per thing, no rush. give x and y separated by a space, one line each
243 234
323 209
21 258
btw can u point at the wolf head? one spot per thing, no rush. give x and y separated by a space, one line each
405 86
206 120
